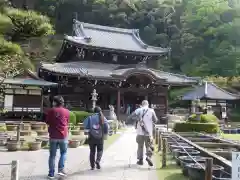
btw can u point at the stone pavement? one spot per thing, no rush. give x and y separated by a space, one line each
118 163
34 164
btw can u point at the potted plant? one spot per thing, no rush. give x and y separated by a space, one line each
14 139
25 133
42 133
197 171
184 152
187 160
81 126
44 140
75 132
13 145
26 127
11 127
34 146
38 126
74 143
3 141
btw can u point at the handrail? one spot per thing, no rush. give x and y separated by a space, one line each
219 158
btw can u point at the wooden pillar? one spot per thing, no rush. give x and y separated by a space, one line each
164 153
160 142
156 135
42 100
166 100
14 170
118 103
208 170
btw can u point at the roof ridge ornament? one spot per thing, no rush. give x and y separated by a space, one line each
79 27
136 35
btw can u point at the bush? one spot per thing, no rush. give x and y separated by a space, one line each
81 115
196 127
3 128
72 118
205 118
234 117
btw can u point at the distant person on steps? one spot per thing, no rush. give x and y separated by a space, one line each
96 126
146 118
57 120
128 109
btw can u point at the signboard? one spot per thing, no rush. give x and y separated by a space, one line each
8 102
235 165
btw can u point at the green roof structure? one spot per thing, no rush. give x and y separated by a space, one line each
28 82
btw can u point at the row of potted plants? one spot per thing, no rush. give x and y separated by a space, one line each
39 143
190 159
33 126
25 126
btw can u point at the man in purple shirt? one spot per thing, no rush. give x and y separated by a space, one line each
57 120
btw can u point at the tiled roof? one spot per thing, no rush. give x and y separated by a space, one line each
111 38
66 68
28 82
112 71
209 91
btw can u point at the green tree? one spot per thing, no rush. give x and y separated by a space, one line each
16 25
27 24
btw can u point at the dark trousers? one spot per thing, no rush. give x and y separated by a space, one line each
93 148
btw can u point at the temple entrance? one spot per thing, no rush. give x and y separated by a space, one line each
135 96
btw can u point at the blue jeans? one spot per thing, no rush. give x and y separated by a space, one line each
62 144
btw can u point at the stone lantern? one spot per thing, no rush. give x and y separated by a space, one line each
94 98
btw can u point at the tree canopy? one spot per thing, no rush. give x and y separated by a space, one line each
203 34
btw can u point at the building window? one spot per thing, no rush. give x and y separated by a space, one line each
27 101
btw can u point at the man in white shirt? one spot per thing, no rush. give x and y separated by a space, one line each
144 126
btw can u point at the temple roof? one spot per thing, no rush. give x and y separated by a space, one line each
209 90
97 70
111 38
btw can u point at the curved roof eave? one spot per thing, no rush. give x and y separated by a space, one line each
77 43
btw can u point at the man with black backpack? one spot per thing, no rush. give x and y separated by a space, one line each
97 127
144 125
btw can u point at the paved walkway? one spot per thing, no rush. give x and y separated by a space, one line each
118 163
